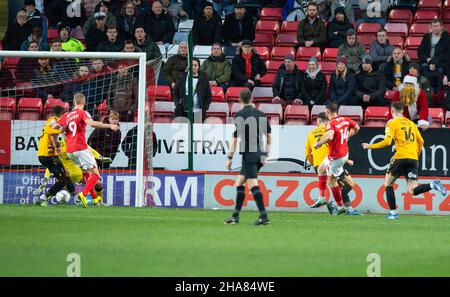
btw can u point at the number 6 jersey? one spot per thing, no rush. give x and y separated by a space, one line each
341 127
75 124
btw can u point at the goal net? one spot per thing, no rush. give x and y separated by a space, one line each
33 85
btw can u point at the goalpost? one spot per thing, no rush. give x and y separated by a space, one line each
120 75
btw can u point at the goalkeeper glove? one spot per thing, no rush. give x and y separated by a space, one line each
105 159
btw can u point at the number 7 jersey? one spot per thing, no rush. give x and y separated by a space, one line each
75 124
341 127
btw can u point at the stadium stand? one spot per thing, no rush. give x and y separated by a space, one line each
7 108
30 109
51 103
296 115
376 116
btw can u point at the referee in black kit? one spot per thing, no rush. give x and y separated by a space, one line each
251 125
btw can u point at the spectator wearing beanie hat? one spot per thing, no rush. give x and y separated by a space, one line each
342 82
207 27
338 27
314 84
424 83
103 7
69 44
353 50
286 87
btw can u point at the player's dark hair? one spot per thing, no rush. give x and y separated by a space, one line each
58 110
98 187
332 107
397 106
245 96
322 116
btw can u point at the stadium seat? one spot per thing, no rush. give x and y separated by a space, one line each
397 41
186 26
218 94
437 117
296 114
11 63
214 120
161 93
447 119
235 107
328 78
368 29
418 29
389 94
52 34
172 50
376 116
273 65
233 93
264 26
302 65
328 67
413 43
219 110
289 26
425 16
434 5
262 94
268 79
315 110
163 111
397 29
330 54
51 103
202 51
437 99
305 53
366 40
287 39
264 39
445 16
271 13
352 112
7 108
273 111
103 111
413 54
279 52
263 52
400 16
29 109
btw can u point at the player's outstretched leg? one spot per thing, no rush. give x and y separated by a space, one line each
434 185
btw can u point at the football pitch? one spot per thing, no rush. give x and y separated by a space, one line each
125 241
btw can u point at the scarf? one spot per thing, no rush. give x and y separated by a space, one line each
248 65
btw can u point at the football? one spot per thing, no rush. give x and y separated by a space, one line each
63 196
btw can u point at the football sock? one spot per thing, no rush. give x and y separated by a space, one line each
337 195
257 195
344 193
421 189
85 177
89 188
322 185
390 197
240 196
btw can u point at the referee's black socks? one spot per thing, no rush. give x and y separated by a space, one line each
240 196
257 195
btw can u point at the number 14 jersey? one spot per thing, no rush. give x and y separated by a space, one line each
341 127
75 124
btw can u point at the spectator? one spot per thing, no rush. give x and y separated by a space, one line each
223 5
77 84
193 7
311 31
146 44
67 12
106 141
129 47
370 86
63 69
142 6
34 16
201 92
434 45
396 69
176 12
129 146
347 4
434 76
104 9
286 87
342 82
36 35
43 80
128 20
25 66
338 27
373 12
97 34
207 27
247 67
381 50
424 84
17 33
314 84
69 44
238 26
114 43
217 68
353 50
91 5
6 79
414 101
159 25
124 93
176 64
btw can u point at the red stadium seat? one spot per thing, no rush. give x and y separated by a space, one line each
103 111
400 16
235 107
413 55
262 94
445 16
376 116
302 65
397 29
7 108
447 119
288 26
161 93
287 39
328 67
217 94
219 110
389 94
273 111
435 5
29 109
305 53
330 54
279 52
315 110
366 40
437 117
11 63
328 78
425 16
214 120
264 39
164 109
267 80
271 13
368 29
52 34
263 52
264 26
273 65
397 41
352 112
418 30
233 93
163 120
413 42
437 99
51 103
296 114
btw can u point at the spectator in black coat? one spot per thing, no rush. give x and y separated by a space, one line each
314 84
114 43
17 33
25 66
35 18
128 20
97 34
286 88
247 67
342 82
338 27
434 76
434 45
396 69
238 26
129 146
207 27
6 79
159 25
60 12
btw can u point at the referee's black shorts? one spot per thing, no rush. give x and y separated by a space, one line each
409 168
54 165
250 169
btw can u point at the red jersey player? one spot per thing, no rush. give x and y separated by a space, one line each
338 130
74 123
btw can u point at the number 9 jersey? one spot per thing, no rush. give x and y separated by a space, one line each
75 124
341 127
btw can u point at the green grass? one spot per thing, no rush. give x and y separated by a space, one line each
120 241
